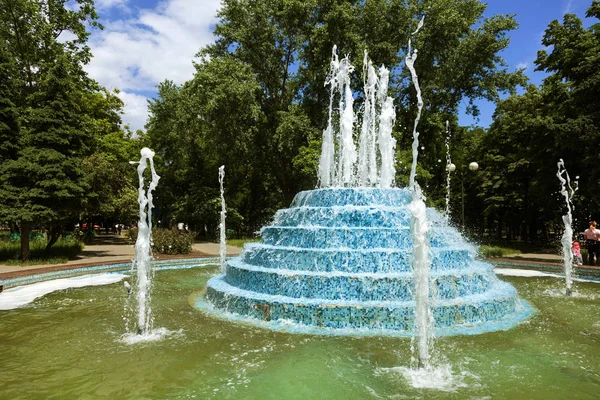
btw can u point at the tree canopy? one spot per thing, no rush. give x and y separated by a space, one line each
258 102
52 116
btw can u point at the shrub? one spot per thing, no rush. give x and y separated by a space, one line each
132 234
172 241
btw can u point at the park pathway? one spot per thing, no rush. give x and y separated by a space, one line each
110 249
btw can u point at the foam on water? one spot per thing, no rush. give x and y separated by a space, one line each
23 295
439 378
533 273
153 335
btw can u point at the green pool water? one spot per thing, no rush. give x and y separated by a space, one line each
66 345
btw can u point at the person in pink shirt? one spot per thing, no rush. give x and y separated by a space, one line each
591 236
577 259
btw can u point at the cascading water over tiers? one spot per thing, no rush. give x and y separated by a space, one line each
338 261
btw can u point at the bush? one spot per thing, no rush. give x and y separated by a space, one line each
172 241
132 235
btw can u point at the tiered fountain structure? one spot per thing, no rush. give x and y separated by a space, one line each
342 258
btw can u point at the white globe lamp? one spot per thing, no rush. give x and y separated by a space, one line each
473 166
451 168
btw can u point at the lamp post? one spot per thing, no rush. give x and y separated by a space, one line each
451 168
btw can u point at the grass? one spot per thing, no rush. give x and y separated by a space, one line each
61 252
241 242
489 251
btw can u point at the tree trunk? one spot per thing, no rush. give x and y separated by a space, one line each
53 235
25 241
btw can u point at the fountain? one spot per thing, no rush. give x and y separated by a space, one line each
567 191
142 265
222 242
342 260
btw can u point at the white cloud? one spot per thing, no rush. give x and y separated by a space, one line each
104 4
134 54
135 110
521 65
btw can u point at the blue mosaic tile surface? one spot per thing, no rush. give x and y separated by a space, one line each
344 286
340 259
352 260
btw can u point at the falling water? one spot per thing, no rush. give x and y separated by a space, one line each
347 152
223 245
448 163
567 238
421 266
367 167
410 63
143 251
419 227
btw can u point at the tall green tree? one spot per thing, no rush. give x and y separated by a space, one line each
42 181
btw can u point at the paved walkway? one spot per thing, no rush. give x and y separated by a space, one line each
111 249
114 249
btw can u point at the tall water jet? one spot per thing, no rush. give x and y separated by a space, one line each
448 171
419 226
387 143
410 63
367 167
567 191
142 264
327 159
347 151
223 244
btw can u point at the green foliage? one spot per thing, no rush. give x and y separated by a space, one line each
172 241
131 235
258 102
518 191
52 118
62 251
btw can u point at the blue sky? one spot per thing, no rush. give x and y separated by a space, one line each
146 41
533 17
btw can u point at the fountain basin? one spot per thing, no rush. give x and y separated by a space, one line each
554 355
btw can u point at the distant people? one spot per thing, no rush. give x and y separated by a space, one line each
577 259
591 236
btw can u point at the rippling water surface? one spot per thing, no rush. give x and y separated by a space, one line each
69 345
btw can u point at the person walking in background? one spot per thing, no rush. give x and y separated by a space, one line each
591 236
577 259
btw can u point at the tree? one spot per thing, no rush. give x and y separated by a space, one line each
45 184
278 51
41 180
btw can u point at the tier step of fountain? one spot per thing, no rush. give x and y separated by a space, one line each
347 286
340 259
468 312
352 260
